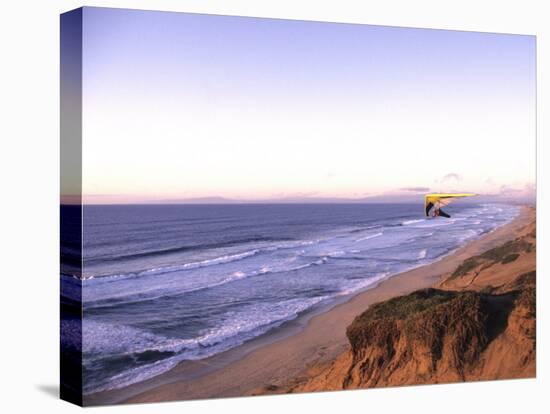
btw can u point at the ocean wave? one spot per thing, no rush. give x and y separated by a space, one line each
178 249
148 295
370 236
145 296
362 229
105 340
362 284
436 223
407 222
203 263
174 268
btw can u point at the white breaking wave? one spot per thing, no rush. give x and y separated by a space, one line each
175 268
125 298
407 222
202 263
362 284
107 339
371 236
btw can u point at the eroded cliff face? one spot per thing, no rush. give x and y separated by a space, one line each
444 336
435 336
427 336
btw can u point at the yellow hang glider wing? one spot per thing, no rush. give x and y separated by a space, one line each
439 200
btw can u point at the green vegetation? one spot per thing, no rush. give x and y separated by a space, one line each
526 284
425 317
506 253
404 306
466 266
513 246
510 258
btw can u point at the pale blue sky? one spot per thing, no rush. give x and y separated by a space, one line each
184 105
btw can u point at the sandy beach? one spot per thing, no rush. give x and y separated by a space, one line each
271 360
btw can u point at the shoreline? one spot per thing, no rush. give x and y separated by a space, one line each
313 338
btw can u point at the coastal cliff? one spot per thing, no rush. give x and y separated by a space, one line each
477 323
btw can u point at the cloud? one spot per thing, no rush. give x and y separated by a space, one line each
451 177
511 190
527 191
507 190
295 195
415 189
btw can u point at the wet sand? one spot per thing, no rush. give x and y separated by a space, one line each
288 351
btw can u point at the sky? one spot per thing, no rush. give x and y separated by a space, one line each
186 106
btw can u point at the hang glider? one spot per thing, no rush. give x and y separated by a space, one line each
438 200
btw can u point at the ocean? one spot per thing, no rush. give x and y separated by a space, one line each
167 283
